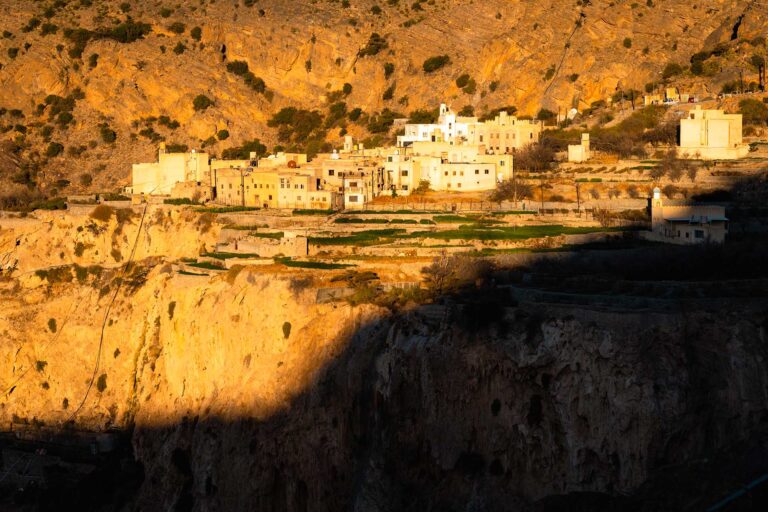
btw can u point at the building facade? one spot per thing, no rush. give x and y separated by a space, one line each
710 135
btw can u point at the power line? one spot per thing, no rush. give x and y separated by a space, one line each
106 317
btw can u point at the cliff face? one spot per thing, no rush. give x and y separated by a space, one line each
245 394
550 54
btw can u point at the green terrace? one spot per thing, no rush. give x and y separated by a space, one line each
474 231
318 265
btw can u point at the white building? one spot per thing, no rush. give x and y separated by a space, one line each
449 127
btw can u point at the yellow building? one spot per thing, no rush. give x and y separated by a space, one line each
710 135
159 178
271 188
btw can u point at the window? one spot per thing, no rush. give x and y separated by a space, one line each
486 171
501 163
458 185
352 199
270 198
481 138
446 173
389 159
403 173
302 186
352 184
405 187
477 171
699 233
298 198
331 172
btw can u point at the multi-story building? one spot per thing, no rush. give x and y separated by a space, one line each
450 127
159 178
504 133
447 167
272 188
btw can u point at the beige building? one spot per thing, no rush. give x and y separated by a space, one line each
580 152
447 167
687 223
710 135
272 188
159 178
504 133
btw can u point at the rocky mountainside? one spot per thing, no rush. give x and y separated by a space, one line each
242 392
125 75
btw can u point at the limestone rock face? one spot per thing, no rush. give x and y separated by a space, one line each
304 50
245 394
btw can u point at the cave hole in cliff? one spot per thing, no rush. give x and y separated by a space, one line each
495 407
535 414
736 26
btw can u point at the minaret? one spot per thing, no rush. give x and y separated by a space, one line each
657 211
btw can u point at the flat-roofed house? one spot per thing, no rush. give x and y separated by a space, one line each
687 223
710 135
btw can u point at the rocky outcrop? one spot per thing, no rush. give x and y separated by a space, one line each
244 394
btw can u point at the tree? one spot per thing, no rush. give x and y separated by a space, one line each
753 111
196 33
222 135
423 188
375 44
347 89
432 64
670 70
201 102
535 157
511 190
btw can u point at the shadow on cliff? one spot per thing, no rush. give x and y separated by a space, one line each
560 382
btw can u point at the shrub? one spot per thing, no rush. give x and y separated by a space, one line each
201 102
39 364
179 48
196 33
102 213
243 152
165 12
389 93
52 325
177 27
670 70
753 111
93 60
347 89
462 81
389 69
423 116
432 64
54 149
286 329
375 44
108 135
13 52
101 383
627 42
222 135
86 180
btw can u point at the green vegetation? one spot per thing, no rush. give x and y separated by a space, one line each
313 212
240 68
52 325
375 44
201 102
320 265
356 220
101 383
180 201
244 152
361 238
754 111
228 255
228 209
206 265
125 32
432 64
